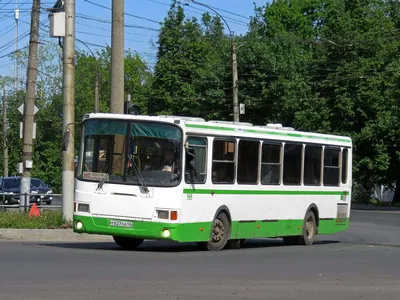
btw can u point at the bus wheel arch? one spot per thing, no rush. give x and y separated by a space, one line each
223 209
310 226
313 207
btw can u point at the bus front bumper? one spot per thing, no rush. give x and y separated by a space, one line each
127 228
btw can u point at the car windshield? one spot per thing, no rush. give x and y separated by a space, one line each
139 153
37 183
11 183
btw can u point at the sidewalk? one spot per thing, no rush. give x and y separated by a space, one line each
66 235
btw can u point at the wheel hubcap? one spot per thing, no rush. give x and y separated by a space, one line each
310 228
218 231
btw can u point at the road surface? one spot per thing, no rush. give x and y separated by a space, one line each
362 263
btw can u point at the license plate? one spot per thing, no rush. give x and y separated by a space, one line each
117 223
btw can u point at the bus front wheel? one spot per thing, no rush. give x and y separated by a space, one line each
127 243
220 233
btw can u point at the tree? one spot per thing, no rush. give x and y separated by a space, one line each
187 78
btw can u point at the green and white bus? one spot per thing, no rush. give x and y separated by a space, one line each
215 183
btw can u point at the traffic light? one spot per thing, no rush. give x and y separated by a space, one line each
131 109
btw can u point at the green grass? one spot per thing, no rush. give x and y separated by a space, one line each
48 219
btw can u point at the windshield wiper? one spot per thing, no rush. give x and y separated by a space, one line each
139 175
101 183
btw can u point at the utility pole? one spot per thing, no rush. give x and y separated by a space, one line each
30 103
117 57
96 92
5 129
235 84
16 18
68 179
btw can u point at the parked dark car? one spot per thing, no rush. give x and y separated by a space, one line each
11 187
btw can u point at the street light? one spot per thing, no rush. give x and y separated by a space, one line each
234 64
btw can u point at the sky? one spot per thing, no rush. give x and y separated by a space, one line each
142 18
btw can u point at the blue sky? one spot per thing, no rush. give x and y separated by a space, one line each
93 27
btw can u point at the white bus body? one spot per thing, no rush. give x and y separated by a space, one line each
248 181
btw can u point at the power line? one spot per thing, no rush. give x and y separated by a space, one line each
228 12
82 16
12 42
234 21
128 14
109 30
108 36
6 3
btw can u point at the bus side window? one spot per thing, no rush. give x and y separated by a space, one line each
223 161
312 165
331 166
197 154
345 155
292 163
248 156
271 163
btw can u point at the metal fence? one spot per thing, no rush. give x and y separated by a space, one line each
16 201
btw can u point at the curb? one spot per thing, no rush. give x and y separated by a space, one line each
49 235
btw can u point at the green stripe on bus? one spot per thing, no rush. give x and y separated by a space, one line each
263 192
210 127
267 132
195 232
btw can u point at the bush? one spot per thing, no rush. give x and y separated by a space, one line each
21 220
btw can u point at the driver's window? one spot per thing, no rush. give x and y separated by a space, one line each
196 152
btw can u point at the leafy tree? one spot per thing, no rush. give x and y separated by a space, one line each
187 78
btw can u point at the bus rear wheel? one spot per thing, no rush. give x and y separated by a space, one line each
308 233
309 230
127 243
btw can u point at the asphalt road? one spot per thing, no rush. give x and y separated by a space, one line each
361 263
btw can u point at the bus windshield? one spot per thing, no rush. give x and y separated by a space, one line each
131 152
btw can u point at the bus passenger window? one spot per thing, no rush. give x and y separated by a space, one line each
197 153
248 154
312 165
331 166
345 156
271 164
292 164
223 165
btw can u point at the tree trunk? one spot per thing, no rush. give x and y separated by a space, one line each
396 197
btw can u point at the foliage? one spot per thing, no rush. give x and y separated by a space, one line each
48 219
328 66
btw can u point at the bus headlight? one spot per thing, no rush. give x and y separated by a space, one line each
83 207
163 214
79 225
166 233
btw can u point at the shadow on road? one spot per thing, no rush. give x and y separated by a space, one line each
162 246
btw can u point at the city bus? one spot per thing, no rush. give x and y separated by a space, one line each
214 183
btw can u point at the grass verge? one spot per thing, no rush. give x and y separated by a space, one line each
48 219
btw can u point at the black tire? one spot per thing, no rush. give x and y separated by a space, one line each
220 233
48 202
309 230
233 244
202 246
127 243
290 240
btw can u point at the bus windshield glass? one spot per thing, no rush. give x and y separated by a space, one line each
131 152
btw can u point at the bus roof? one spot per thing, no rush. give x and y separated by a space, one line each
227 128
